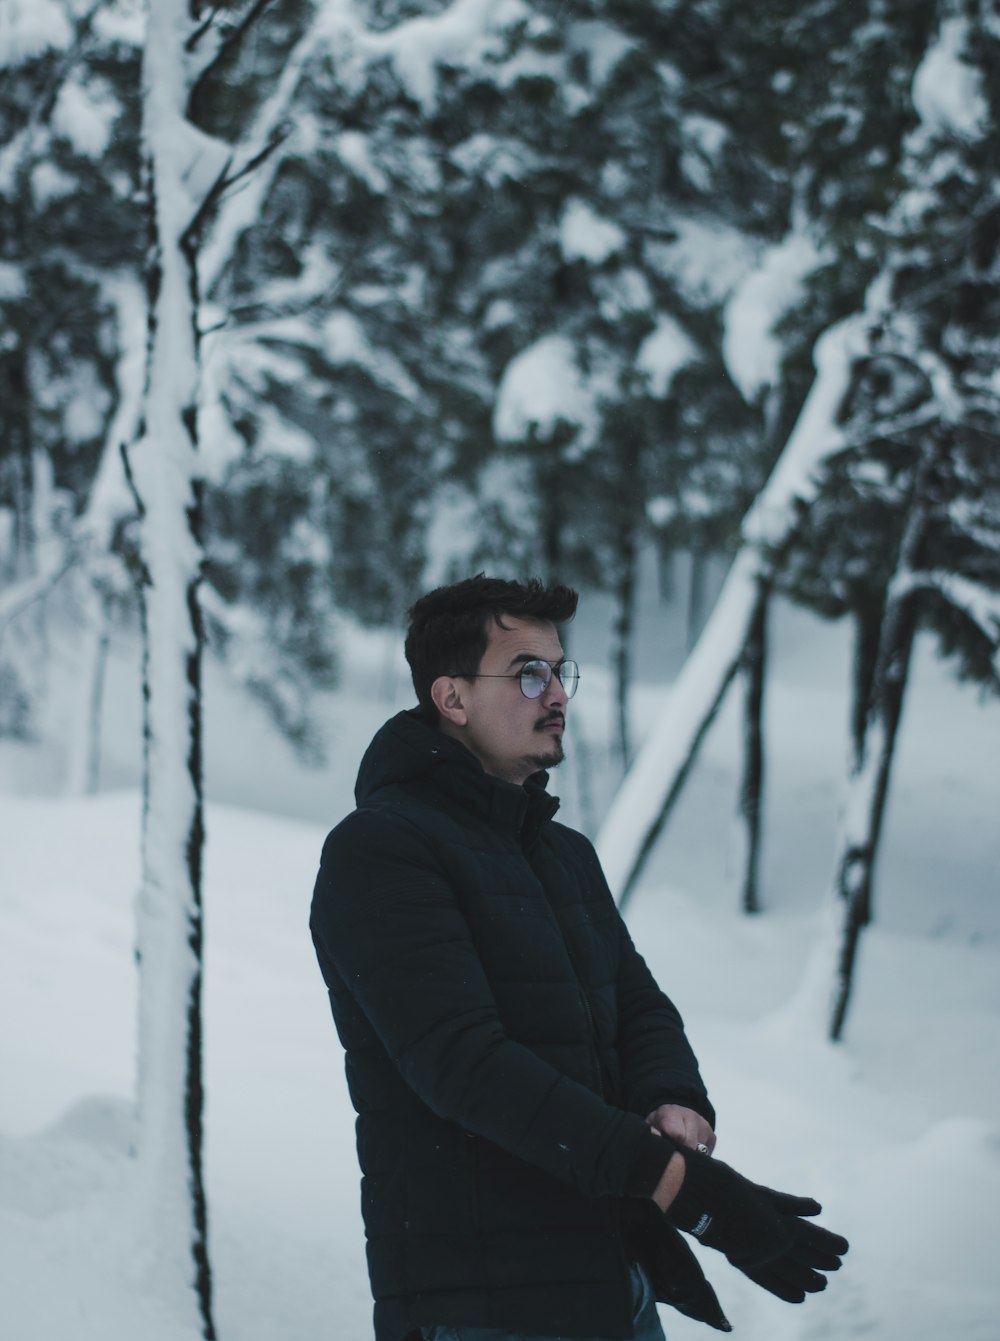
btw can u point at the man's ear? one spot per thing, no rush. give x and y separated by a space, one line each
446 692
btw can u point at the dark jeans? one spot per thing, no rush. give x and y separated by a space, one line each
645 1321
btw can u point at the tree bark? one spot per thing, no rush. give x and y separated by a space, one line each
871 769
622 633
869 789
868 619
697 583
19 453
754 667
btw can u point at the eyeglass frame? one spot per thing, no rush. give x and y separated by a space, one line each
520 675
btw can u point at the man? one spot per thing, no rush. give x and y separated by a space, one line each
532 1127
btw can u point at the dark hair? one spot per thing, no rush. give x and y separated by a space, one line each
449 627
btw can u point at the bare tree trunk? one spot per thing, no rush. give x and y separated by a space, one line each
665 583
623 630
868 619
753 666
553 520
869 789
82 730
868 784
18 451
697 583
95 716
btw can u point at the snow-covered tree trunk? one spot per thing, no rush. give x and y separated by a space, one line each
171 1211
643 803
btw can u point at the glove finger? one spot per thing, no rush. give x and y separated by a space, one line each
787 1204
822 1239
794 1277
775 1283
808 1256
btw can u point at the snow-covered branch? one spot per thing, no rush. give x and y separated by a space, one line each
979 604
260 149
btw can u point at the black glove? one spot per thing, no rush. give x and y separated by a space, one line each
761 1232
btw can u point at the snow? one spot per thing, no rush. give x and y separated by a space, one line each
463 34
663 353
947 92
895 1131
48 183
814 437
706 258
12 281
123 21
85 116
622 291
30 27
345 342
751 350
355 150
704 138
585 236
604 46
540 388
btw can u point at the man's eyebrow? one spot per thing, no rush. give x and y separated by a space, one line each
522 657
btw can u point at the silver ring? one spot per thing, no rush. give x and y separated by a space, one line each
701 1149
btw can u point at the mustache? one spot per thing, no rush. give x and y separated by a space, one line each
547 721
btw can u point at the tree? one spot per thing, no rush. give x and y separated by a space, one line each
643 804
936 480
187 171
69 248
894 520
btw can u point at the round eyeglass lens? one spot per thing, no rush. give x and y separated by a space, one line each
569 674
536 675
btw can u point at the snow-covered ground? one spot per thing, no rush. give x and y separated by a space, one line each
895 1131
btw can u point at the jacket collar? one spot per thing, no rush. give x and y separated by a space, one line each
408 748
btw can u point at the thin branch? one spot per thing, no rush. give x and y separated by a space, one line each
192 42
38 587
41 113
226 45
279 136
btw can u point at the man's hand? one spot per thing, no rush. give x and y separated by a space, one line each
765 1234
682 1125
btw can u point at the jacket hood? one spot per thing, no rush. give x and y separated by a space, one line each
405 748
408 748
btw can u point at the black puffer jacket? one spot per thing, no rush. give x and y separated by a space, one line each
504 1040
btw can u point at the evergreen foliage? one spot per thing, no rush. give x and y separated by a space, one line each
483 305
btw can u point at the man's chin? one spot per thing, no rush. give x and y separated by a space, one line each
552 757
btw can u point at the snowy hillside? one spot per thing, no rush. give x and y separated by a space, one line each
895 1131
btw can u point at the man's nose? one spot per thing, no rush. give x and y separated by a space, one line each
555 695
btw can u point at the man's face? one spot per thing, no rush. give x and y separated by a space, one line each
512 736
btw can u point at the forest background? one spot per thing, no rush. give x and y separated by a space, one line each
306 306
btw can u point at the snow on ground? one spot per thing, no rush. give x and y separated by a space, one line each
895 1131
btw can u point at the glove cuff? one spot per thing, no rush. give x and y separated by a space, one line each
688 1210
652 1155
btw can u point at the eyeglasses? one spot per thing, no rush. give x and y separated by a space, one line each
536 676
